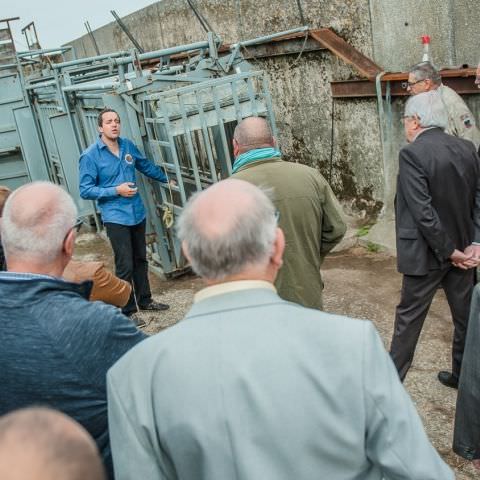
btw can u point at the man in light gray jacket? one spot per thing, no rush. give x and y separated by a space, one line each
249 386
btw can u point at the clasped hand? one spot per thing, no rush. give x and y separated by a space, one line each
470 258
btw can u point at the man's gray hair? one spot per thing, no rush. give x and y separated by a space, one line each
249 240
425 71
429 109
37 230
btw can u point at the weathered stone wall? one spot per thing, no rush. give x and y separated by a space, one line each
386 30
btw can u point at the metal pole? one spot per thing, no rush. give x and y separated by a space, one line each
82 61
90 33
165 52
91 87
127 31
267 38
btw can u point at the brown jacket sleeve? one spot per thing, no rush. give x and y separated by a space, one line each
106 287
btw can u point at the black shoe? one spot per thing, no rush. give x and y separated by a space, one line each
155 306
138 320
448 379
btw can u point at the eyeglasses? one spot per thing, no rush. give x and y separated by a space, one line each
78 225
407 117
411 84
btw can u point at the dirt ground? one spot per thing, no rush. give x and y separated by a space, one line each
361 285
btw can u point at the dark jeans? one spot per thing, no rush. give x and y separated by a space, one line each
130 252
416 298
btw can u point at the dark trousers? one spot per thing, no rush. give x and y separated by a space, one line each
130 252
416 298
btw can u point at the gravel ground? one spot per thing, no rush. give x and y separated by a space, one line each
361 285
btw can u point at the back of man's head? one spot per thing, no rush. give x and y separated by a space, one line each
43 444
426 71
428 108
36 219
253 132
228 228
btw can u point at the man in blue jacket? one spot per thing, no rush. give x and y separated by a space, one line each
56 345
107 175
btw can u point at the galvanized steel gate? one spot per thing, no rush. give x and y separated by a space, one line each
182 115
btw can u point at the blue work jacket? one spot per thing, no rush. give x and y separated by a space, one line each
101 172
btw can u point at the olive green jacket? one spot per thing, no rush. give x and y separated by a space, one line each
461 122
310 218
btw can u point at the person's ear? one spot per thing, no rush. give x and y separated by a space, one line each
185 251
278 248
416 123
69 243
429 85
236 148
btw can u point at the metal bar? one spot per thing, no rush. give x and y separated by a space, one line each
173 151
268 38
127 31
14 175
290 46
205 84
44 51
92 37
202 20
50 83
221 126
89 87
346 52
8 66
206 139
187 130
164 52
82 61
366 89
252 97
238 112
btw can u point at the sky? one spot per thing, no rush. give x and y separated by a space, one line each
58 22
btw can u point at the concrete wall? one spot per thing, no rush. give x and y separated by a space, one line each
386 30
452 25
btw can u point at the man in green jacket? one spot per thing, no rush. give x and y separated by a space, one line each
310 215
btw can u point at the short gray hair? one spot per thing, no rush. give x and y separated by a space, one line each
248 241
37 230
429 108
426 71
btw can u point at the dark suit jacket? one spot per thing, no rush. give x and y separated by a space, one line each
438 201
466 438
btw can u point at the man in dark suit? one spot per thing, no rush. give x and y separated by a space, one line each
437 228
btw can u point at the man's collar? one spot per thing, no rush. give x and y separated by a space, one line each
26 276
229 287
423 131
101 144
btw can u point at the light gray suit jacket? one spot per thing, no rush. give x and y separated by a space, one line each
249 386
